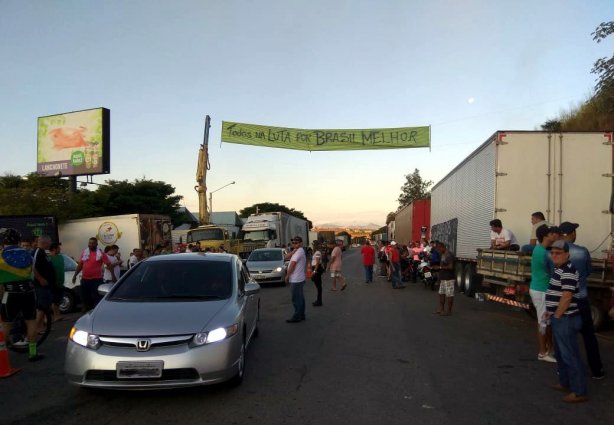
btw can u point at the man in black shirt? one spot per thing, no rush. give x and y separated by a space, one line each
44 279
446 280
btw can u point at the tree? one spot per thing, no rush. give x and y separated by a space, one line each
117 197
389 217
34 194
414 188
553 126
603 67
272 207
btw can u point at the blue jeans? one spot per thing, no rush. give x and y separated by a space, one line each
298 300
572 373
368 274
396 275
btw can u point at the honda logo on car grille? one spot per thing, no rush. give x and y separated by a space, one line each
143 344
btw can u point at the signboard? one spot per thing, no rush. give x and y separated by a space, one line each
74 143
326 140
31 226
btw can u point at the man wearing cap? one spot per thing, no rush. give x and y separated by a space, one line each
541 267
295 276
581 259
562 310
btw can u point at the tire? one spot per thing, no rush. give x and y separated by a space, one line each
459 270
236 380
19 332
68 303
471 281
598 316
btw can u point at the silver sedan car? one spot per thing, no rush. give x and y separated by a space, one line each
172 321
267 265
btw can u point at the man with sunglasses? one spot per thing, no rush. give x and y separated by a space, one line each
295 276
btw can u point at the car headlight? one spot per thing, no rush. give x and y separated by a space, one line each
84 339
214 335
278 269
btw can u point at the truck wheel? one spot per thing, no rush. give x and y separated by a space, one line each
598 316
471 280
460 276
67 305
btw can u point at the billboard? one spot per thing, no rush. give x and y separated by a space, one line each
74 143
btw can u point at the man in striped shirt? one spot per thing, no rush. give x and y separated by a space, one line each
562 309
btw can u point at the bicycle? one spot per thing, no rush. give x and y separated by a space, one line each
18 338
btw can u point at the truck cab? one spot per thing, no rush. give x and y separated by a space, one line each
212 237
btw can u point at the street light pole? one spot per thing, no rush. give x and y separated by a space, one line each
211 199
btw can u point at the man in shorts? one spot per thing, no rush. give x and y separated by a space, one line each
446 279
19 297
541 266
335 265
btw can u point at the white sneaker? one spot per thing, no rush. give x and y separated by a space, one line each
546 358
21 343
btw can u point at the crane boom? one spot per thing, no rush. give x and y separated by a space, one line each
201 175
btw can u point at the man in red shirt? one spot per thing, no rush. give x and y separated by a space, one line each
91 262
395 261
368 259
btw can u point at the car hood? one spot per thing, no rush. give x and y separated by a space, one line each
263 265
122 318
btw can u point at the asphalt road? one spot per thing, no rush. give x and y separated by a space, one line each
370 355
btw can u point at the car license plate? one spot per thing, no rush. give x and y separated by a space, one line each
138 370
427 274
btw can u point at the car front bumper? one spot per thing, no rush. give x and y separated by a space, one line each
182 366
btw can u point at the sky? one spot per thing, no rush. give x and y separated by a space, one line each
465 68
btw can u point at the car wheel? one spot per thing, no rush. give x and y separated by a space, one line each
67 305
238 378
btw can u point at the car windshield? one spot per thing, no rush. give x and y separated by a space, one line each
206 235
266 255
176 280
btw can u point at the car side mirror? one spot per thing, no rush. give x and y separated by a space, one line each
104 289
251 288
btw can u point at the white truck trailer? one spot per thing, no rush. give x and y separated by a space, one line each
567 176
128 231
272 229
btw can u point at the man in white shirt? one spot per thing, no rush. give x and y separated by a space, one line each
501 238
295 276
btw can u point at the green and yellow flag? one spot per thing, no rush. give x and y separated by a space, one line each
325 140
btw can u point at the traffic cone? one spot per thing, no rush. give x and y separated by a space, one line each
5 368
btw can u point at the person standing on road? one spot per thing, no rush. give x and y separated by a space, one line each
395 263
91 262
137 256
317 269
581 260
562 310
446 280
57 261
111 274
540 278
368 260
44 279
335 265
19 296
295 276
